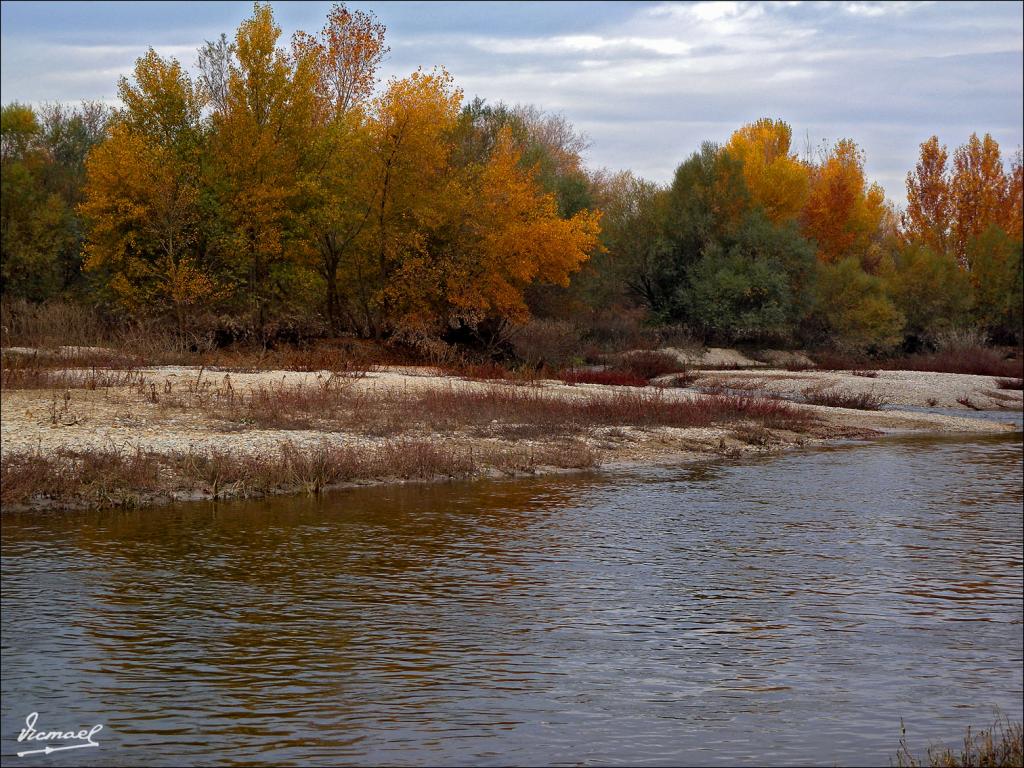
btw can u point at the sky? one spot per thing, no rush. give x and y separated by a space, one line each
647 82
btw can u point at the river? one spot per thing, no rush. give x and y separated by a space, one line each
787 609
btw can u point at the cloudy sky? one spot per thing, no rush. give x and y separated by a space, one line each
647 82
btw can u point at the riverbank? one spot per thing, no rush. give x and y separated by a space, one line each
73 437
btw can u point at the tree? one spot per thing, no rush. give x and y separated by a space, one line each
142 195
756 285
995 260
348 52
979 193
776 179
844 214
854 310
1015 197
32 218
256 158
706 204
502 234
337 187
929 206
930 290
43 162
632 239
408 175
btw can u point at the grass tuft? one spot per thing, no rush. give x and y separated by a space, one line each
1000 746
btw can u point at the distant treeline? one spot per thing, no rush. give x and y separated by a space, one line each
282 191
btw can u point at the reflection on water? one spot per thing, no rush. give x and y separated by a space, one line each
781 610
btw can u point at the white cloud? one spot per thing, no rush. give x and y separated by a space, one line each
654 81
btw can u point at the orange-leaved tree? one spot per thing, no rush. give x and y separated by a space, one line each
412 122
979 193
926 219
844 214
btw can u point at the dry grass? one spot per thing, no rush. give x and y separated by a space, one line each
716 385
42 372
494 410
864 401
995 747
126 478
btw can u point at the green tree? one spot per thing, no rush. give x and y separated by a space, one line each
931 291
995 258
43 159
853 310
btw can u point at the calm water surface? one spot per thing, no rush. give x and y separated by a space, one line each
785 610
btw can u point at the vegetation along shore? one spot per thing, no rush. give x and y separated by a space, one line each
272 272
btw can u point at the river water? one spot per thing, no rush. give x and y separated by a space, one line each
789 609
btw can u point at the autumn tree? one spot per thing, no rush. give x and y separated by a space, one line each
502 234
844 214
979 191
1015 198
409 160
257 154
927 217
337 188
142 195
775 177
948 207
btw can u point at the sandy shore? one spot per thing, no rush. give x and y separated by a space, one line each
913 388
127 418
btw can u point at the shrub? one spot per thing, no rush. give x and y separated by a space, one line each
649 364
834 399
1010 383
552 343
855 310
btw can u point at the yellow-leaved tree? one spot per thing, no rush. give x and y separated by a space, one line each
142 195
407 179
775 177
258 143
500 234
337 192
